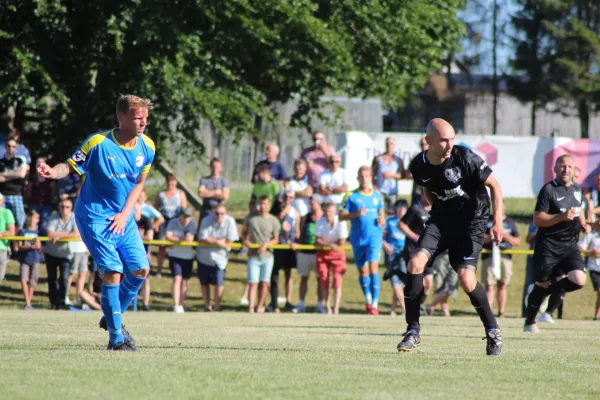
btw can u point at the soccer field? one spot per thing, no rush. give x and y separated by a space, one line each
54 355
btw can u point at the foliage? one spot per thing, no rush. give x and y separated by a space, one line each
63 63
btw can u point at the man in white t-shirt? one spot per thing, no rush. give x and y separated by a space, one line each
217 229
181 258
299 184
590 246
333 183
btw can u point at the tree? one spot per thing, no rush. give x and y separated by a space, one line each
533 55
224 61
560 55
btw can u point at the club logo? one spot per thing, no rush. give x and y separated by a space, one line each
139 160
79 157
453 174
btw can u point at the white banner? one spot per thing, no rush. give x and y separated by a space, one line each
521 164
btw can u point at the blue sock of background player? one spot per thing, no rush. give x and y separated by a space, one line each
365 285
375 289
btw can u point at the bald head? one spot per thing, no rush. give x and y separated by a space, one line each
438 126
440 137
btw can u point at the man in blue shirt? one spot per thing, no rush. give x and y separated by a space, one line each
364 208
393 246
115 164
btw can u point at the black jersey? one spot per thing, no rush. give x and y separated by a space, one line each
415 218
555 198
457 183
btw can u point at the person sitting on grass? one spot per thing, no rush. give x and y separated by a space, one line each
29 256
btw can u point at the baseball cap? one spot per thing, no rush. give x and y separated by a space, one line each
188 211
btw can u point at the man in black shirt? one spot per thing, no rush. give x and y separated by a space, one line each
12 180
413 225
455 179
559 218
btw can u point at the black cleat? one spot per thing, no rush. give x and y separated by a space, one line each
411 341
125 345
494 342
125 332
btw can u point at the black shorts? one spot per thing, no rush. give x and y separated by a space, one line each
463 240
549 265
181 267
595 277
284 259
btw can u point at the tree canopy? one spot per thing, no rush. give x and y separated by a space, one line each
63 63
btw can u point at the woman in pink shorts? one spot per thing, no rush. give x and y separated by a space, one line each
332 232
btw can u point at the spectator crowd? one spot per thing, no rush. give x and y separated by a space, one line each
314 205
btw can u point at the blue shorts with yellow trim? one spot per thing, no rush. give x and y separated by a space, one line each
370 252
113 253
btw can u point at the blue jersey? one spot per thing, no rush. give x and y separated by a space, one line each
365 229
111 171
393 234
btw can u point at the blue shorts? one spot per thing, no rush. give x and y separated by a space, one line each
211 275
367 253
113 253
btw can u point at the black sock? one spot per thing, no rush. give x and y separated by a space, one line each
554 301
412 297
564 285
534 301
480 301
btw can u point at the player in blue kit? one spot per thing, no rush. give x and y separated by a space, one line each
364 208
115 164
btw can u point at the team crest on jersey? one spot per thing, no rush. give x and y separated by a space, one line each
577 196
79 157
453 174
139 160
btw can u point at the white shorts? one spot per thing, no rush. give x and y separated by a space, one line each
305 262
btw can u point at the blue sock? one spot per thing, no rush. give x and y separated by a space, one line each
130 286
111 307
365 285
375 288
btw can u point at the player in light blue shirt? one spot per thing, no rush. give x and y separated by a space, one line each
363 207
115 164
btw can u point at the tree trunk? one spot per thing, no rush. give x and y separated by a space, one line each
584 119
533 111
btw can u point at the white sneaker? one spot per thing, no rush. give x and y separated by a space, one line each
244 302
178 309
531 328
321 308
68 301
547 318
299 309
393 313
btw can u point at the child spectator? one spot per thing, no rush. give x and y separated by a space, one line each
332 232
265 185
29 256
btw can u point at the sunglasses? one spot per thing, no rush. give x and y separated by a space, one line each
8 146
219 213
65 207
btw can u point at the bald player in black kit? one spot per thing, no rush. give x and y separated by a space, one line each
454 180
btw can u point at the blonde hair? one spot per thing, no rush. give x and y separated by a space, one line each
127 102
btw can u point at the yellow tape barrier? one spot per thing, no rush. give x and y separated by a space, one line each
237 246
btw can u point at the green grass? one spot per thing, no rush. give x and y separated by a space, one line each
51 355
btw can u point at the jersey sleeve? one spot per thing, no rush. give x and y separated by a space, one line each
80 160
544 199
475 166
151 152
